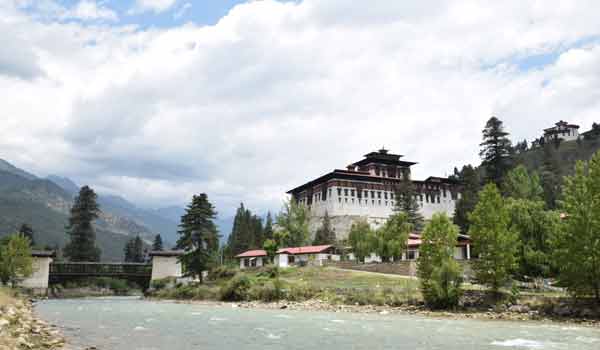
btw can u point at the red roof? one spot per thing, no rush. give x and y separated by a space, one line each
293 251
252 253
315 249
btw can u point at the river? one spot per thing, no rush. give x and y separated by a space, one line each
134 324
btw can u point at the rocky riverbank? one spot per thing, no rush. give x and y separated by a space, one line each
513 313
20 329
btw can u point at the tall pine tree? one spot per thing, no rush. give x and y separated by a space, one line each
157 245
268 230
134 250
495 152
85 210
198 236
469 178
406 202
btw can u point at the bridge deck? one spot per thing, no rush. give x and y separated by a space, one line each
100 269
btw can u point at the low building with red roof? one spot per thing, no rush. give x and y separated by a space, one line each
289 256
315 255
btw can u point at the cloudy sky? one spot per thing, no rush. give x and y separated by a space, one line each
159 99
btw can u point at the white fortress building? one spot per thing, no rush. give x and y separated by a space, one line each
563 131
366 190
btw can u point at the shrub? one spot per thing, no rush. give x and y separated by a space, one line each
301 292
443 290
162 283
222 272
236 289
270 291
188 292
270 271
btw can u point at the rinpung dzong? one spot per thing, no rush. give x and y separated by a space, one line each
366 190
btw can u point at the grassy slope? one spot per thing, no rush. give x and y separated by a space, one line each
334 278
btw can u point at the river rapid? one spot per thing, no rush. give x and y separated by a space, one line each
135 324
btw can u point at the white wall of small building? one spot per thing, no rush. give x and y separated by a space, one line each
41 273
166 266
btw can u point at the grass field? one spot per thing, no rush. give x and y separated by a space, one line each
334 278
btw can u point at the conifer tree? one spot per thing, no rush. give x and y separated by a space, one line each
495 152
268 230
577 244
198 236
464 206
551 176
439 274
325 234
84 212
128 251
157 245
494 242
520 184
256 229
134 250
27 231
406 202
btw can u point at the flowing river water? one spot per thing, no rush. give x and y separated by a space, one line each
133 324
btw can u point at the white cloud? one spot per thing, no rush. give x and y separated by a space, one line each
156 6
91 10
275 94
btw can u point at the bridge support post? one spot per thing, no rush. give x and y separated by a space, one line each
166 264
38 281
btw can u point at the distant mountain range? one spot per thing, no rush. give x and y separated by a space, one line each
45 205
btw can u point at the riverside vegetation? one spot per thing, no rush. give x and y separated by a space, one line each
334 289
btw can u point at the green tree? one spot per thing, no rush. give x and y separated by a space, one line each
444 290
198 236
534 226
551 176
577 244
16 262
292 224
246 233
85 210
469 178
27 231
406 202
438 241
494 242
520 184
389 241
268 229
134 250
360 239
157 245
440 278
495 151
270 246
325 234
128 251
